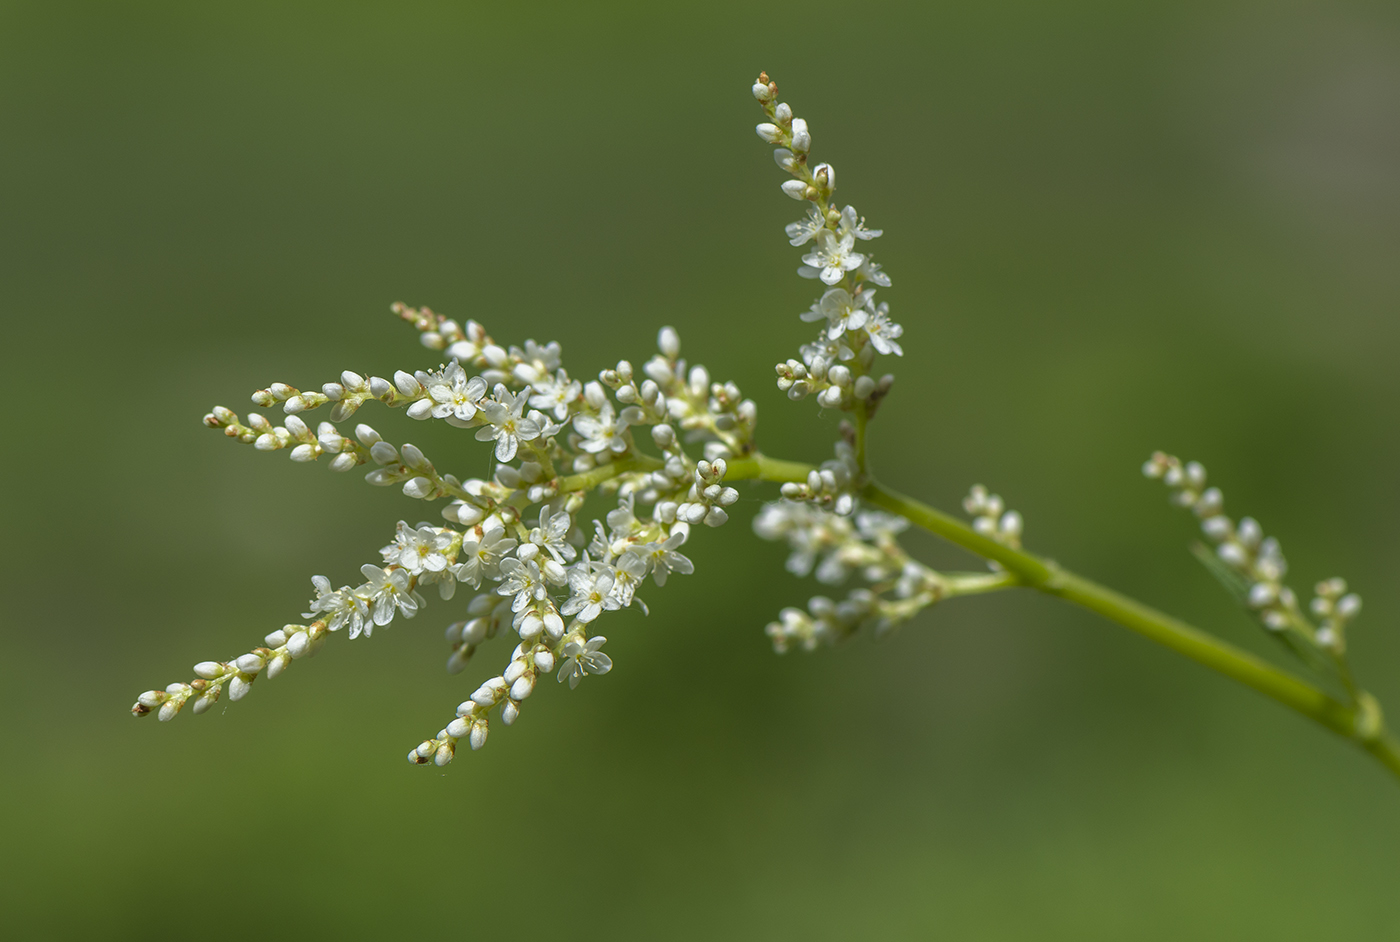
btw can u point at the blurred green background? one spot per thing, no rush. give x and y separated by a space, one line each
1111 228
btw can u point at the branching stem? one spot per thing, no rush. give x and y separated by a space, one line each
1360 722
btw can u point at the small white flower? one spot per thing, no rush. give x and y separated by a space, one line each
875 525
841 311
419 549
481 558
855 226
883 331
544 357
509 426
522 580
603 432
455 397
833 256
871 272
802 231
551 536
623 518
628 572
385 590
555 394
582 659
591 592
663 558
340 607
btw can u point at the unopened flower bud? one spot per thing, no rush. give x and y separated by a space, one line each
801 138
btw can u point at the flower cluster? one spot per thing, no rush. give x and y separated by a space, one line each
867 545
836 367
535 566
820 517
991 518
1254 566
516 539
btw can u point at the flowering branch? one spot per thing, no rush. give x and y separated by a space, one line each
540 568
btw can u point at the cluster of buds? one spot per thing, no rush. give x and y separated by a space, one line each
991 518
824 622
1334 606
1257 562
280 648
868 546
831 487
794 142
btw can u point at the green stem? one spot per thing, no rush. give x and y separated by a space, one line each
587 480
862 415
1360 723
762 468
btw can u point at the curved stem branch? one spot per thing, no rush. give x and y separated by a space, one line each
1360 723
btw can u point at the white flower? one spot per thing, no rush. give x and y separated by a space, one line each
582 659
551 535
508 425
841 311
871 272
480 559
537 359
628 572
455 397
339 607
855 226
883 331
522 580
795 625
833 257
602 432
623 518
875 525
802 231
827 349
555 394
663 558
591 592
419 549
809 532
446 582
385 590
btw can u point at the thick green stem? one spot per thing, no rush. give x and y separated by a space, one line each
1360 723
761 467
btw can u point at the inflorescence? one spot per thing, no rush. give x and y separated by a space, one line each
517 540
1252 565
657 444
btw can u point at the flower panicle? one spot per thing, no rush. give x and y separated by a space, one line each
1254 564
834 547
277 652
838 366
517 538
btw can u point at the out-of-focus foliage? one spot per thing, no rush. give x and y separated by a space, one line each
1111 228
